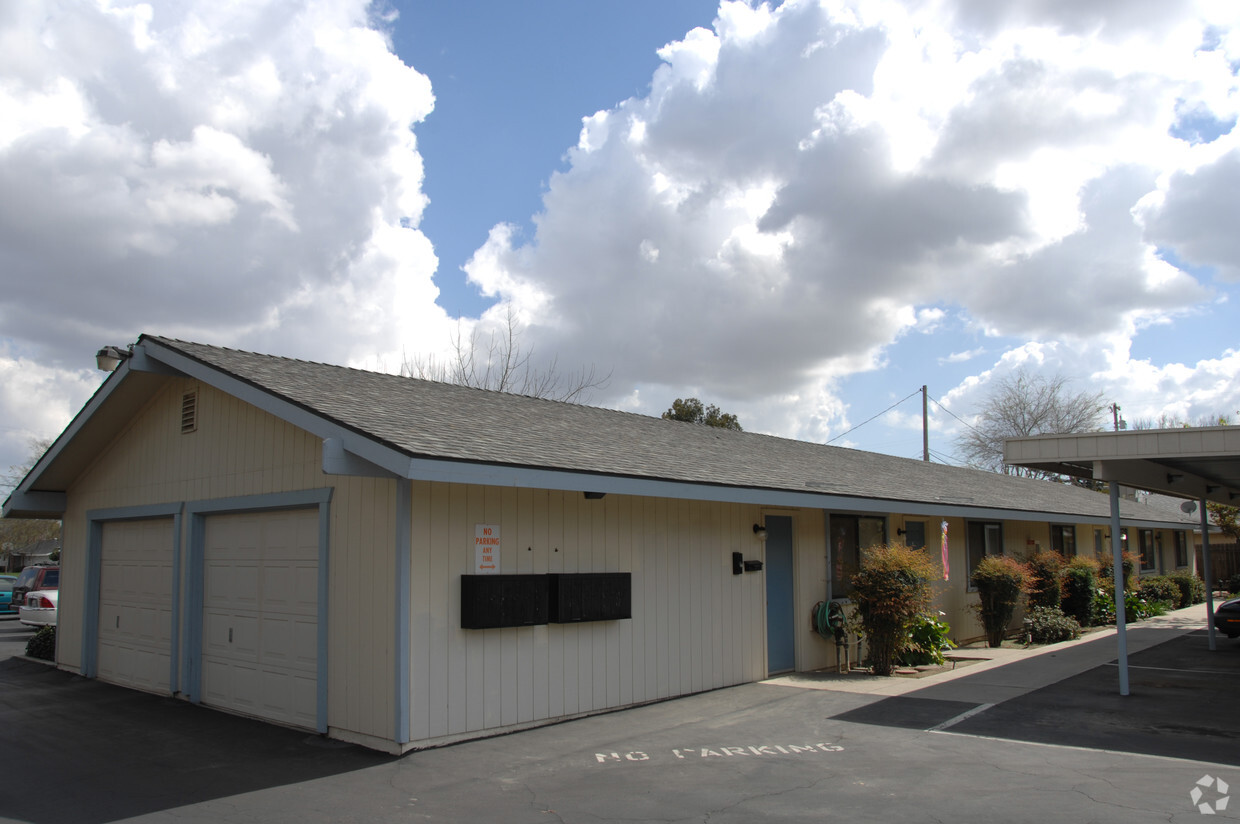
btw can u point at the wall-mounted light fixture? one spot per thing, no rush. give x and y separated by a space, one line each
759 531
110 357
1174 477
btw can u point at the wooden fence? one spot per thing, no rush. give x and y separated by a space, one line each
1224 563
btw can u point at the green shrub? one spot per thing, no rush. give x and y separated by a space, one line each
1000 582
1044 589
1104 603
1048 625
1233 584
891 589
927 639
1080 581
1159 588
1192 589
1136 608
42 644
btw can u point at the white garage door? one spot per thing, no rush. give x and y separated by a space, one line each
260 622
135 604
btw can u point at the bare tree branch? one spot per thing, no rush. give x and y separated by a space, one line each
1022 405
17 533
500 363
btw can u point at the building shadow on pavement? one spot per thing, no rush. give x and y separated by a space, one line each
1181 704
81 751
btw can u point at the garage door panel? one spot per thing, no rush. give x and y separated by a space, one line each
291 695
231 637
293 642
141 624
134 667
135 604
262 587
290 587
232 583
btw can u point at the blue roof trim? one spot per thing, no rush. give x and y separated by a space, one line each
32 504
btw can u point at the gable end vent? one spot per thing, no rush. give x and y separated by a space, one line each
189 412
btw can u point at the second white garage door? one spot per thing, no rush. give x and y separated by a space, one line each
260 622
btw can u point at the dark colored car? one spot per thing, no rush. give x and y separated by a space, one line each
1227 618
39 576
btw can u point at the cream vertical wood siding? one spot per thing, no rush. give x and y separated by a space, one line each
238 450
695 625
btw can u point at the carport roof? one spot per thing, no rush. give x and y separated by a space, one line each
375 423
1196 463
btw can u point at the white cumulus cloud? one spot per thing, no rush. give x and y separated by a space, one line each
1026 166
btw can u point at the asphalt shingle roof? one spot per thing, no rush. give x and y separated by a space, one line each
448 422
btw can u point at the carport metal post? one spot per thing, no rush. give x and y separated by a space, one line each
1117 575
1205 571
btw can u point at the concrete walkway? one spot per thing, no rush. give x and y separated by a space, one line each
984 676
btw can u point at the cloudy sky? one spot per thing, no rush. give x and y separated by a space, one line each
799 212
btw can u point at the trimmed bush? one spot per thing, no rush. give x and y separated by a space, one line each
1080 581
891 589
1000 582
1192 589
1044 588
1048 625
42 644
1233 584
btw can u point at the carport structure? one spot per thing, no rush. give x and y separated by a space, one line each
1198 464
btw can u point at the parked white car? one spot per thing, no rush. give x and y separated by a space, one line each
39 608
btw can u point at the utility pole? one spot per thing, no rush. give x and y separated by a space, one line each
925 427
1115 415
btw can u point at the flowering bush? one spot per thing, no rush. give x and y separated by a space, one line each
1048 625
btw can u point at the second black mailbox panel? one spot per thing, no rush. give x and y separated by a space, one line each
589 596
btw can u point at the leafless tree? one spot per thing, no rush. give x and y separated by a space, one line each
1022 405
499 362
16 533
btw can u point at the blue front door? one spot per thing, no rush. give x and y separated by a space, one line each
780 630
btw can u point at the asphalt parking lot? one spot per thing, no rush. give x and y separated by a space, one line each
1012 741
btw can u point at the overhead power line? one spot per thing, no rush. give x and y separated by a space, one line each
879 415
939 456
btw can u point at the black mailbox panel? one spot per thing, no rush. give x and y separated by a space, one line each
489 601
590 596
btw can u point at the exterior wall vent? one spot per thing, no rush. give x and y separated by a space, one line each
189 412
